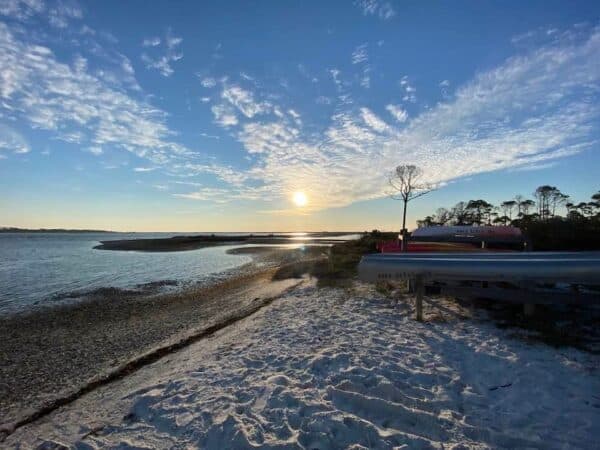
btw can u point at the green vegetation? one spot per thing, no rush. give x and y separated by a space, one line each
560 233
578 228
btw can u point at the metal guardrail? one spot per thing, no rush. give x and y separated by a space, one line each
555 267
488 254
488 274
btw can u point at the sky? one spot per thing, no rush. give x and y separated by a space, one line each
213 116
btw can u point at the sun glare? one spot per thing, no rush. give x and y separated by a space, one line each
300 198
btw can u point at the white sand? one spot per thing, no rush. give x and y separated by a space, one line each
335 369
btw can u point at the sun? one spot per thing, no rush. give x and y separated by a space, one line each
300 198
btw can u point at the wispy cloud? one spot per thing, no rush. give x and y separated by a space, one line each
11 141
21 9
444 86
527 112
58 14
532 167
95 150
208 82
63 12
399 114
224 115
244 101
151 42
360 54
306 74
216 195
373 121
381 9
335 76
410 92
210 136
235 99
365 81
77 105
169 53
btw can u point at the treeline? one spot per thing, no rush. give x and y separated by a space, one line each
550 219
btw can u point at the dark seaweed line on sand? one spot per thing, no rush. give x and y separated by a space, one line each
136 364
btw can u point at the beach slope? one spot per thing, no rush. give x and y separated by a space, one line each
53 354
343 368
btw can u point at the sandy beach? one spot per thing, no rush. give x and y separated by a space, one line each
267 357
54 352
299 225
342 368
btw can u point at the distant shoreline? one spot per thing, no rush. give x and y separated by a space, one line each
194 233
51 230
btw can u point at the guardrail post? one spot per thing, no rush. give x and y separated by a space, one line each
419 297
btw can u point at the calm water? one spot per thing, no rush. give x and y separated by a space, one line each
34 267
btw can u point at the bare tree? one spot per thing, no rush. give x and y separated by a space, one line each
526 205
408 184
595 203
585 208
518 200
443 216
460 215
480 211
548 199
557 200
507 208
426 222
523 205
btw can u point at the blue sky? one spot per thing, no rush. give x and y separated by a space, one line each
199 116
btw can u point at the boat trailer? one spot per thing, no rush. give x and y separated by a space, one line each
528 278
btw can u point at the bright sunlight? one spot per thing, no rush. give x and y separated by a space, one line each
300 199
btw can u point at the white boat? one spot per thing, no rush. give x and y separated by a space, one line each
468 234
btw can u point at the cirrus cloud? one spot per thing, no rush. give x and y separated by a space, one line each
170 53
77 105
527 112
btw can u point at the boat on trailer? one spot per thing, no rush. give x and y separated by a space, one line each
460 239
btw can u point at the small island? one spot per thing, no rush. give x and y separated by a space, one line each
185 243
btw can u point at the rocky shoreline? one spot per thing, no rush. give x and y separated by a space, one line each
53 351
